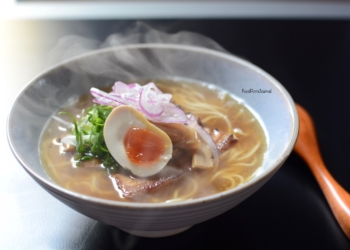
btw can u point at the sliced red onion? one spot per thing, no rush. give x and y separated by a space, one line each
148 99
155 88
173 114
192 122
120 87
135 86
105 98
164 98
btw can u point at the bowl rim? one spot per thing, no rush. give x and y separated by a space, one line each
137 205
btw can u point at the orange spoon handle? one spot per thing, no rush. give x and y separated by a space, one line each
306 146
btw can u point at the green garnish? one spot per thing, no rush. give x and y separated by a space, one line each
88 131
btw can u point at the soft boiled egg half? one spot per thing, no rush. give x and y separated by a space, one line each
135 143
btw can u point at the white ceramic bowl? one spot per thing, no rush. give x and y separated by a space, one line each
44 95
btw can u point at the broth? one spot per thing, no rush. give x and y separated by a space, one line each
216 109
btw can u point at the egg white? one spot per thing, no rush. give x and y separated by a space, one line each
118 123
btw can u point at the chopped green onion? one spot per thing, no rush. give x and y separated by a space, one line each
88 131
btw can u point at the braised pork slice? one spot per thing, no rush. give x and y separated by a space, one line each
222 140
186 140
130 187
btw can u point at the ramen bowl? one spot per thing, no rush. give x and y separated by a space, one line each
42 98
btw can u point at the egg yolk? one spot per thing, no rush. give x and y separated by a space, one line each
143 147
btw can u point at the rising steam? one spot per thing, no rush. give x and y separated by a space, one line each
134 33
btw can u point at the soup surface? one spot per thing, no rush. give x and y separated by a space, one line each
214 107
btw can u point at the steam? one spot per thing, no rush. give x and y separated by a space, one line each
115 63
134 33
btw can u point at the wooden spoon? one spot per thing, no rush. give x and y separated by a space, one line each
306 146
